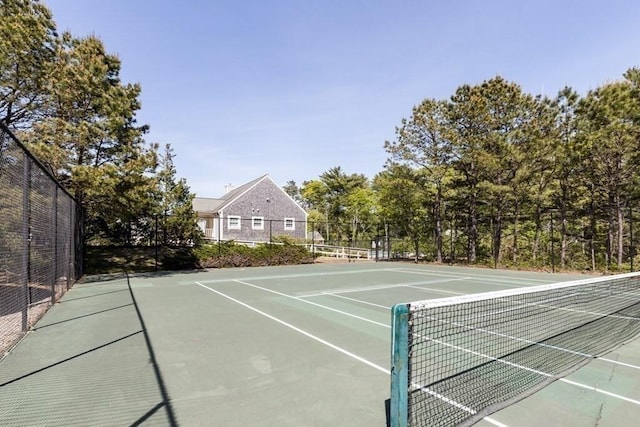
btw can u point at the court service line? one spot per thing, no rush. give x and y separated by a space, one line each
360 301
364 319
480 277
439 290
294 276
318 339
305 333
390 286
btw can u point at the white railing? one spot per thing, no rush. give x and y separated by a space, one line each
345 252
341 252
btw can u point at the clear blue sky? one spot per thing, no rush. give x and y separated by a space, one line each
293 88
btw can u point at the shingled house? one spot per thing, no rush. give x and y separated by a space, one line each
257 211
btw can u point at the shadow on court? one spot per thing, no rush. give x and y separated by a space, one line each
89 361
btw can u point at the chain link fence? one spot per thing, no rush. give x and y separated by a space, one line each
40 240
327 239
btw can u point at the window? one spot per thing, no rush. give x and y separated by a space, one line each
257 222
289 224
233 222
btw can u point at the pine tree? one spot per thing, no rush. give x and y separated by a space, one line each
179 221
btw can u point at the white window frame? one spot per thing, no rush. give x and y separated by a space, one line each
291 227
253 223
234 226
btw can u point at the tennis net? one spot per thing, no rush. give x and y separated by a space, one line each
457 360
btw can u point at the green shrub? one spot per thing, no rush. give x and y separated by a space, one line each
229 254
287 240
110 259
178 259
115 259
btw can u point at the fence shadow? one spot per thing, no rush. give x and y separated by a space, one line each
94 362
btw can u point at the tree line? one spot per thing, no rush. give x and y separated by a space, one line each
63 97
491 174
496 175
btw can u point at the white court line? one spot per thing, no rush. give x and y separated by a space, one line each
360 301
305 333
326 343
390 286
598 390
356 289
478 278
338 295
294 276
438 290
616 362
335 310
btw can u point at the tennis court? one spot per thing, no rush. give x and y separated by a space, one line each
289 346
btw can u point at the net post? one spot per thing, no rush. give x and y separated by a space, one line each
398 408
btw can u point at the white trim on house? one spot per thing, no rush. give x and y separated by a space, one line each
290 224
257 223
234 222
217 230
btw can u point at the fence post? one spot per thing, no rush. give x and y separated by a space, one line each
156 242
631 247
377 245
26 240
553 258
219 232
72 251
388 241
55 245
70 245
313 240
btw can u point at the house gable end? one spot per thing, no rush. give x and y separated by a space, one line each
266 198
235 194
259 210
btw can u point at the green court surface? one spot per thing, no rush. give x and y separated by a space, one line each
275 346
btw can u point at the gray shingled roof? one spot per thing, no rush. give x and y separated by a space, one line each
204 204
237 191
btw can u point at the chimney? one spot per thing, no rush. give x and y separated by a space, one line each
228 188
